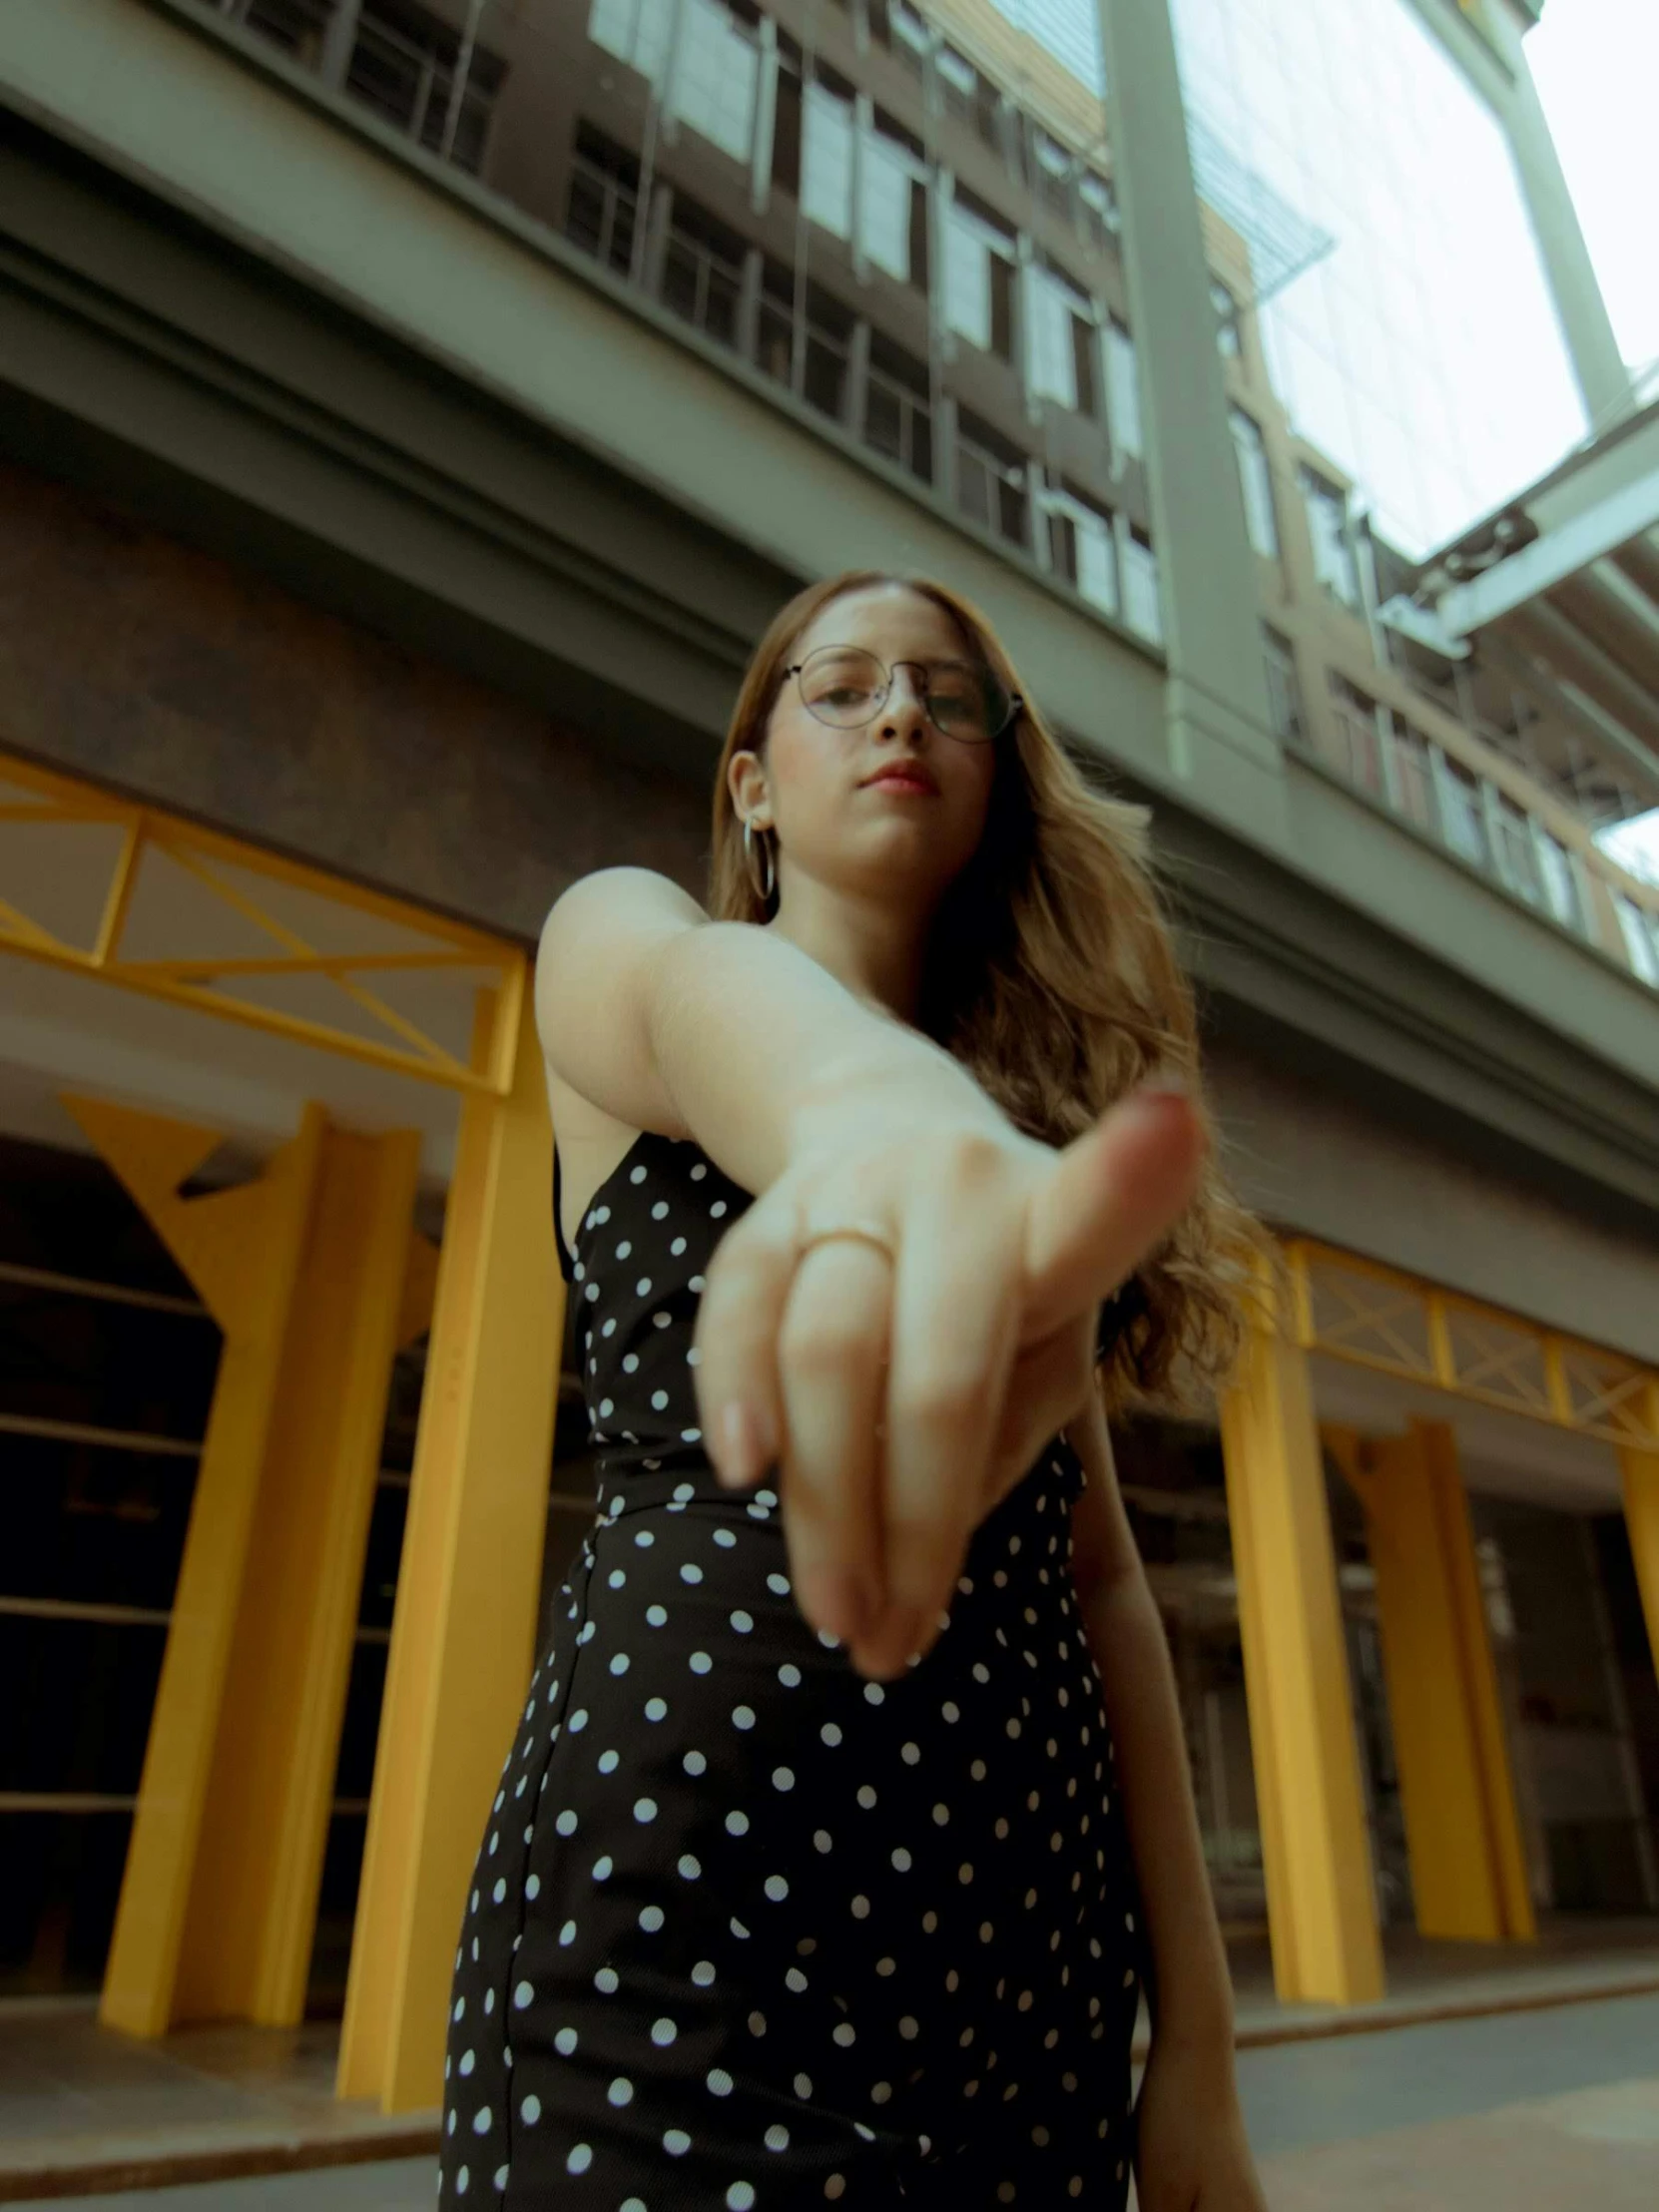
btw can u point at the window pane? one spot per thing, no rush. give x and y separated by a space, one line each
826 180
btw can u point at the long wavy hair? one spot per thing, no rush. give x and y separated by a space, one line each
1052 977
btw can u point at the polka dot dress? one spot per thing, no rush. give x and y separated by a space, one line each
749 1933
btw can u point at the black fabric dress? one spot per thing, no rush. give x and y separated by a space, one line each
747 1932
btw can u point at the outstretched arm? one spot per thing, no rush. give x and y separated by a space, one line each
902 1377
1192 2156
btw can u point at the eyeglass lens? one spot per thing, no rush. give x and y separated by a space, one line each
848 686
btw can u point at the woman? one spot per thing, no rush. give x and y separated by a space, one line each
812 1875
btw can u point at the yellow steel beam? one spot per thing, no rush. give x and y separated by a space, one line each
1624 1411
464 1627
1322 1908
252 1917
1640 1474
1462 1830
186 980
241 1248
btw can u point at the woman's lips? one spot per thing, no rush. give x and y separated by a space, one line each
897 780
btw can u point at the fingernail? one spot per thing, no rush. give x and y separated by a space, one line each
847 1603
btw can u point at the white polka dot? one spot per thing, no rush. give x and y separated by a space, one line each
678 1246
656 1615
690 1868
691 1435
699 1171
651 1919
691 1571
566 1823
605 1981
663 2034
623 1249
645 1809
703 1973
719 2081
523 1996
737 1823
694 1762
777 1888
630 1363
700 1662
620 1662
874 1694
725 1538
621 2092
481 2120
655 1708
739 2197
659 1212
530 2110
743 1716
564 2044
676 2142
642 1288
742 1622
778 2136
790 1675
783 1778
717 1209
637 1176
831 1732
658 1398
580 2159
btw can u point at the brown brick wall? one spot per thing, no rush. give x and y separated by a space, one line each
138 662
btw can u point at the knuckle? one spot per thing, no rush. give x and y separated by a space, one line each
948 1399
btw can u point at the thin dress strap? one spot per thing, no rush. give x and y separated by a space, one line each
566 1260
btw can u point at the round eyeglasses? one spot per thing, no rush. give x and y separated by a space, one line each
846 687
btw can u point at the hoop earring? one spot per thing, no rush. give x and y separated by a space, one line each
767 883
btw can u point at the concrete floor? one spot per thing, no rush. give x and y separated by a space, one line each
1530 2111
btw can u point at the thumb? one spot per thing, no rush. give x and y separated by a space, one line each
1112 1194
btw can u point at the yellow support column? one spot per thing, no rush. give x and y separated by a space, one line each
464 1627
252 1911
1321 1907
1640 1470
1462 1828
241 1248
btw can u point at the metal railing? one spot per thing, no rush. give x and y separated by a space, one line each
991 491
899 424
703 288
1383 755
601 217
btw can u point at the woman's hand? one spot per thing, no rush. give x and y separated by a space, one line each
1191 2152
903 1396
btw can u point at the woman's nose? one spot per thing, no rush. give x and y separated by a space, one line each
906 701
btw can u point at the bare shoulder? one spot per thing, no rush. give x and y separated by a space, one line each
593 970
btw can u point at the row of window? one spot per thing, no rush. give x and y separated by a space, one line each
1326 505
859 379
863 178
1380 752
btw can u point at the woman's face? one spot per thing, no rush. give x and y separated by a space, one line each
894 809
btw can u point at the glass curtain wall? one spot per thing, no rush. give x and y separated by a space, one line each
1422 353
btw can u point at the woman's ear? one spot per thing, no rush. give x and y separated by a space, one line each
745 780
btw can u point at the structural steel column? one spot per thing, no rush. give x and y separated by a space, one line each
1322 1906
252 1909
464 1627
1640 1470
241 1248
1463 1826
1603 379
1220 720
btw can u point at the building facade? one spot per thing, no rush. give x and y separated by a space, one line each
411 418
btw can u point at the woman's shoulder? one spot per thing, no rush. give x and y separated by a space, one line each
618 900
